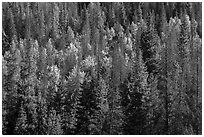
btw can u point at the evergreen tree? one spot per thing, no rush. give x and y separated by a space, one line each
195 78
31 85
12 87
149 44
28 21
86 35
88 105
74 82
101 68
163 23
41 25
41 128
13 33
22 123
56 30
184 39
115 115
98 119
138 97
4 112
54 124
5 42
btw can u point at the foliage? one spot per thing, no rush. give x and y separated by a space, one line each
101 68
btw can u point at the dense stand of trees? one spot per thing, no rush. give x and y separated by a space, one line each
101 68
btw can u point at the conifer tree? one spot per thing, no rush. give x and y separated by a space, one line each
88 106
31 85
149 44
195 77
42 67
139 13
112 16
41 25
138 94
56 30
101 68
122 15
184 38
41 128
11 87
115 115
22 123
163 23
54 124
86 35
28 22
98 119
74 82
13 33
4 111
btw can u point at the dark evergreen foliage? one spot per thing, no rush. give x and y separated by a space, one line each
101 68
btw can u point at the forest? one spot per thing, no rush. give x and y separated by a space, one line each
99 68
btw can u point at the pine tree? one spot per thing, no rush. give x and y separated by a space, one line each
12 29
70 59
54 124
12 86
31 85
184 39
138 97
4 111
42 71
98 119
56 30
74 92
184 52
41 127
88 106
101 68
139 13
5 42
163 23
28 21
50 53
22 123
41 25
86 36
122 15
195 87
149 44
115 114
112 16
69 109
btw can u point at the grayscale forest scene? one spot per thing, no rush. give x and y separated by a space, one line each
101 68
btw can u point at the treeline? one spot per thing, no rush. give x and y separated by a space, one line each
101 68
